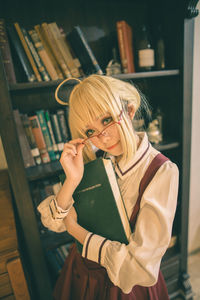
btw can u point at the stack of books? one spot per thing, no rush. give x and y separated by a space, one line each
42 135
46 52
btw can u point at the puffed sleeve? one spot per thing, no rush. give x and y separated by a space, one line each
52 215
138 262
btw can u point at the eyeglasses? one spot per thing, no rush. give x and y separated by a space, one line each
107 131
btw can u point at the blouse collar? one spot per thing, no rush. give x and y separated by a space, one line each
125 169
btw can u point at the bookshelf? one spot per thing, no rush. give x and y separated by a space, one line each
171 89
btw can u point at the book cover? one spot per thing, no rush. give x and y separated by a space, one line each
83 51
64 49
55 50
47 138
31 139
27 51
21 54
125 43
43 54
99 204
55 146
57 131
39 138
23 141
6 53
63 125
44 74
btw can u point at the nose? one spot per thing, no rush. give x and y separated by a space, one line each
104 136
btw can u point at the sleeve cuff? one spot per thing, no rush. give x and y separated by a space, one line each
94 248
56 211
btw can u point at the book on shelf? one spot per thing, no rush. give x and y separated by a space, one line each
57 131
31 139
125 44
6 53
27 51
41 68
47 137
64 49
55 146
21 54
43 54
99 204
39 138
55 49
23 141
83 51
63 125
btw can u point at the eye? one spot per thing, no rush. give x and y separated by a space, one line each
107 120
89 132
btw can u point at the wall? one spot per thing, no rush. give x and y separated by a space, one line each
194 210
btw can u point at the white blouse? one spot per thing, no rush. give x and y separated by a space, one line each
138 262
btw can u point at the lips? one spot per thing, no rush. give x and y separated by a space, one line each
113 146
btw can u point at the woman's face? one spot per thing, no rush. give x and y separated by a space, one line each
103 133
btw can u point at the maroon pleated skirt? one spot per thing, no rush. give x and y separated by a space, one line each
83 279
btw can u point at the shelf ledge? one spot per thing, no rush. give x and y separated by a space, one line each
54 83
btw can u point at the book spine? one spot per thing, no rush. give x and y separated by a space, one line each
43 54
45 131
55 146
27 51
121 45
21 54
55 50
24 145
64 49
57 132
42 37
31 139
45 76
83 51
128 42
6 53
37 132
63 125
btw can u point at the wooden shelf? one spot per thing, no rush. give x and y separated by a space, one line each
151 74
166 146
43 170
54 83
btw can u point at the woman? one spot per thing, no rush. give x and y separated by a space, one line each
101 110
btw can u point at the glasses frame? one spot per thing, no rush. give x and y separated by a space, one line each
101 132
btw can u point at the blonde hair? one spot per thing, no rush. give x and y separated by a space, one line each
99 94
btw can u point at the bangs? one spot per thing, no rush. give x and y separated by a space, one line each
89 104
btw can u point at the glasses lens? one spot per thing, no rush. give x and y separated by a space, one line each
64 90
108 131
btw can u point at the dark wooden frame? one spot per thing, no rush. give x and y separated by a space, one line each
37 272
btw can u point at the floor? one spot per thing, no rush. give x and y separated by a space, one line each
194 272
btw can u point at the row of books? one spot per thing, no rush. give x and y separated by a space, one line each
42 135
46 52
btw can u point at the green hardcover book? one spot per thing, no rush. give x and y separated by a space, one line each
46 134
99 204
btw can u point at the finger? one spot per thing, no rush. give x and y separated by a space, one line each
69 152
80 148
70 146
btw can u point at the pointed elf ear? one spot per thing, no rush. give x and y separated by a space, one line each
131 110
64 90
